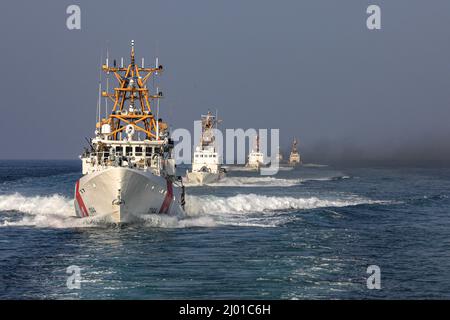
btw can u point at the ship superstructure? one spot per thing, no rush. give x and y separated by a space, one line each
206 163
294 157
128 171
255 157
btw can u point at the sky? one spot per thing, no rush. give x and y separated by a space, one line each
310 68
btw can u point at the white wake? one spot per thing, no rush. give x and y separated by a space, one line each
256 182
266 181
56 211
53 211
253 203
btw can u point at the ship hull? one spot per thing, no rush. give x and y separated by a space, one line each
252 166
125 194
203 177
255 166
294 163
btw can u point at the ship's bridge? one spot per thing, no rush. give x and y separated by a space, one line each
147 154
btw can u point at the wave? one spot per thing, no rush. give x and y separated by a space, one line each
314 165
253 203
56 211
256 182
332 178
266 181
260 210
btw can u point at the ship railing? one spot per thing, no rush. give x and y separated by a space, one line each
140 159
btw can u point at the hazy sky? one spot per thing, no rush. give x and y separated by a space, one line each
310 68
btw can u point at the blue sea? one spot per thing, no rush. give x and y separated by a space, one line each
307 233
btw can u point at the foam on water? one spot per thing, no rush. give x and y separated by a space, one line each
53 211
256 182
260 210
55 204
314 165
254 203
265 181
56 211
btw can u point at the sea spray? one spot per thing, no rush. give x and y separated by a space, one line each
253 203
56 211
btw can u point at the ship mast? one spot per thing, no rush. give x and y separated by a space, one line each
294 146
132 99
257 143
208 123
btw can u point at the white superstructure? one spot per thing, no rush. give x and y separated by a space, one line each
206 163
294 157
128 171
255 157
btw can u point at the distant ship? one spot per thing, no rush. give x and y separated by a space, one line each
206 163
255 157
294 157
128 169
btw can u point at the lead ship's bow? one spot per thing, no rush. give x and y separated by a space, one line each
128 170
126 194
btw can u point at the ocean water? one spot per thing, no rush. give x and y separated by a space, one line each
308 233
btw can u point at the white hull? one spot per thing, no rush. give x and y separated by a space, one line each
253 166
124 193
294 159
203 177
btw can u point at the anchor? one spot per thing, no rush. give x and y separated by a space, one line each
119 200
